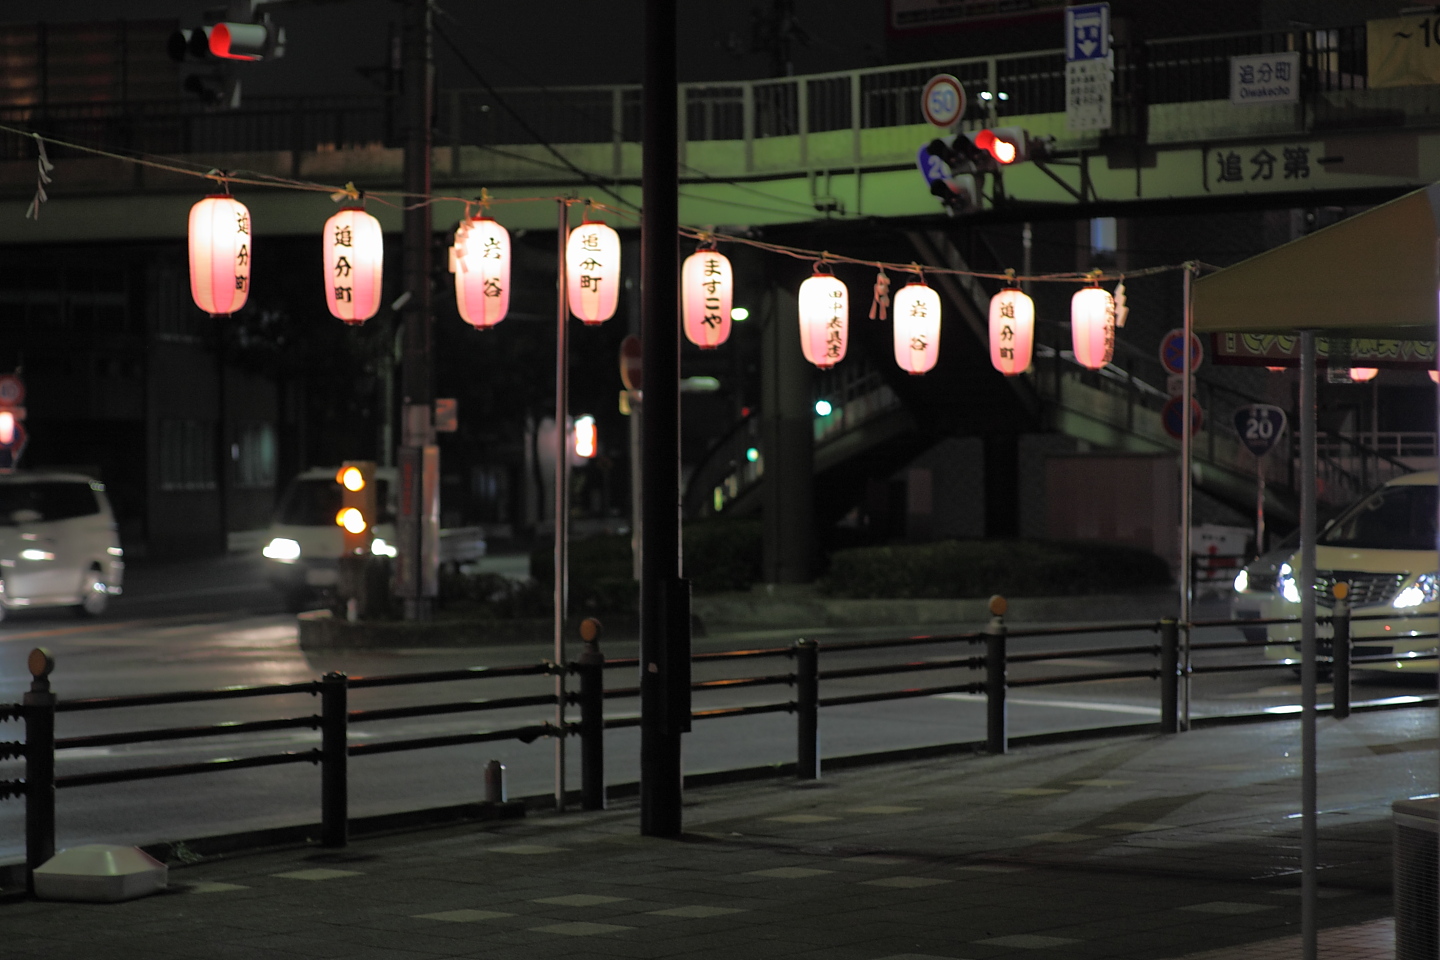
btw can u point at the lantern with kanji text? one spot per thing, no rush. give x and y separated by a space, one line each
480 260
219 254
592 269
354 264
1092 327
824 317
1012 331
917 327
707 283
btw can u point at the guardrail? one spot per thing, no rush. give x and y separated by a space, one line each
1171 658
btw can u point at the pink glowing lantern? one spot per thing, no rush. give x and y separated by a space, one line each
707 284
824 318
354 264
1012 331
219 254
917 328
480 260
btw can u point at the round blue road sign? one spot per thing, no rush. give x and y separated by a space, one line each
1173 357
1170 417
1260 427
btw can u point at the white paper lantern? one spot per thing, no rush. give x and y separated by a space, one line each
1092 327
917 327
592 268
824 319
219 254
354 264
480 261
707 283
1012 331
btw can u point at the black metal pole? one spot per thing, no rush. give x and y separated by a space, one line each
807 709
1340 656
591 667
664 614
334 760
997 733
1169 676
39 707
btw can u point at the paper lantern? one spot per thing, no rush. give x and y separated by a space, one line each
917 327
219 254
1092 327
480 260
708 286
824 318
1363 374
592 266
1434 375
354 263
1012 331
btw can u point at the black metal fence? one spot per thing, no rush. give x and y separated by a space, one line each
1168 658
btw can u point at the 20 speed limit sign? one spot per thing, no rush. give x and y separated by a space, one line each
1260 427
943 101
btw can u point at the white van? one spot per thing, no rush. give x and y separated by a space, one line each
58 543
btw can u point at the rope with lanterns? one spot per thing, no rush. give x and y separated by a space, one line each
220 232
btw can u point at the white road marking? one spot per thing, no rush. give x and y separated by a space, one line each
1062 704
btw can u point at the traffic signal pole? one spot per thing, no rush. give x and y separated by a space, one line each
417 527
664 596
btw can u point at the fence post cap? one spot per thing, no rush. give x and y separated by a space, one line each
1341 590
998 606
590 629
41 664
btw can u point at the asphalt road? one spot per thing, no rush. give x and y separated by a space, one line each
216 624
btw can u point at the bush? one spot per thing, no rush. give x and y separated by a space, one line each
723 554
979 568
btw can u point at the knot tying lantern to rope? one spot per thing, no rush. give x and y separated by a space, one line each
44 167
824 317
880 305
354 262
917 325
1012 329
707 284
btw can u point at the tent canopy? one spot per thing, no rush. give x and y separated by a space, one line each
1374 274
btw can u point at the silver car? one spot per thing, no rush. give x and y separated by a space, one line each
58 543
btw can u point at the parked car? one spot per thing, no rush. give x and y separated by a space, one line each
1384 548
58 543
304 543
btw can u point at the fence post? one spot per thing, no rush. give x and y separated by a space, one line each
1340 652
997 731
334 760
1169 676
591 667
807 709
39 709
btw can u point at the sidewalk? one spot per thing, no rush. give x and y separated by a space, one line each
1144 848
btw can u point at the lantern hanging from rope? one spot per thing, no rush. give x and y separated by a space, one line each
592 269
1012 331
1092 327
824 317
1364 374
707 283
219 254
354 264
917 327
480 260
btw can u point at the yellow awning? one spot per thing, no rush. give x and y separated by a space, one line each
1373 273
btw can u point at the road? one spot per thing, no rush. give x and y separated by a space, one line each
216 624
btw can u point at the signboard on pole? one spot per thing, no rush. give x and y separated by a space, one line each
1265 78
943 101
1260 427
1172 355
1089 67
1170 417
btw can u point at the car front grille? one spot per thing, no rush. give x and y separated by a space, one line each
1366 589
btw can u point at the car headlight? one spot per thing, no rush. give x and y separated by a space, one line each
1423 590
281 548
1242 580
380 548
1286 580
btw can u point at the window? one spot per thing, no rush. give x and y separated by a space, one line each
46 501
1103 237
187 455
254 456
1394 518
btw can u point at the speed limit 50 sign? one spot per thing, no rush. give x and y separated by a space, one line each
943 101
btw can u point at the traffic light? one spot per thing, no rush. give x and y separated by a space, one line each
247 41
587 439
357 506
1007 145
213 48
12 432
959 193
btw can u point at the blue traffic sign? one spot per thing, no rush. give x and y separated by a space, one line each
1087 32
1260 427
932 168
1172 355
1170 417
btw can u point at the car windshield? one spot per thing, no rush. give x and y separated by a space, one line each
314 503
46 501
1392 518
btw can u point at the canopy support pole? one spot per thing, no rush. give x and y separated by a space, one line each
1309 840
1187 449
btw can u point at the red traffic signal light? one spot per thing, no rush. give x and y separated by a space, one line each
1006 145
247 41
